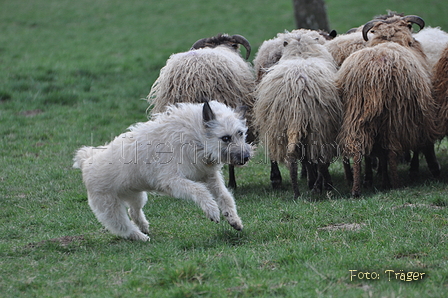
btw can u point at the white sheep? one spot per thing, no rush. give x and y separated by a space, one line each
213 68
434 41
268 54
297 110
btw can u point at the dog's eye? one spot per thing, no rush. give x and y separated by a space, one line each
240 133
226 139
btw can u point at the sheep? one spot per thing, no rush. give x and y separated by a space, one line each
440 85
434 41
345 44
297 111
386 92
430 45
213 68
268 54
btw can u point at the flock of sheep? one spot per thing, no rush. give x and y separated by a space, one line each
373 94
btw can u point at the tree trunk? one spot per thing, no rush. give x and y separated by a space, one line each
311 14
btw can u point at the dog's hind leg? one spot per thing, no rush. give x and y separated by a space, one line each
197 192
136 202
225 200
110 210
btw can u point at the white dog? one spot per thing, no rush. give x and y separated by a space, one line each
179 152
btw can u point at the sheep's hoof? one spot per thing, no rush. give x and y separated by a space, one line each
328 186
296 194
356 194
386 185
316 190
367 183
435 170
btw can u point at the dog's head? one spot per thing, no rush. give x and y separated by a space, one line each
226 134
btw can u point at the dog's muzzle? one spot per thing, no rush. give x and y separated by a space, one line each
243 156
244 159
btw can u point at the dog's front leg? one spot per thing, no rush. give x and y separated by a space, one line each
225 200
196 191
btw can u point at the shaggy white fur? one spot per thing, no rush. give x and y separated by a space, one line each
297 109
179 152
217 73
434 41
297 96
270 51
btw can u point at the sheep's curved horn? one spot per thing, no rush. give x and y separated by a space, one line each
367 27
415 19
352 30
243 41
198 44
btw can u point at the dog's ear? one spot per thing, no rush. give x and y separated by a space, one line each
207 113
241 111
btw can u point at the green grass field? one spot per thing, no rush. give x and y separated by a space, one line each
75 73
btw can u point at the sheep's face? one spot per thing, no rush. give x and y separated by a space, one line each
399 31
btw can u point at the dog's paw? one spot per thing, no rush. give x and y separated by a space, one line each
233 220
237 225
212 211
139 236
138 218
213 214
144 227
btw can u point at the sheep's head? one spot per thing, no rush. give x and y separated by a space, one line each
306 45
396 28
232 42
328 36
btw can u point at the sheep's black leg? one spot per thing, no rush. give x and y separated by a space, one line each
347 169
317 188
393 163
303 171
276 176
232 180
327 181
431 160
311 172
384 171
323 178
415 165
368 177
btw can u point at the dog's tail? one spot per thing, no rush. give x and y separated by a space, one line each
81 156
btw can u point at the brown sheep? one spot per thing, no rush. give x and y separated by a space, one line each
440 83
386 93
